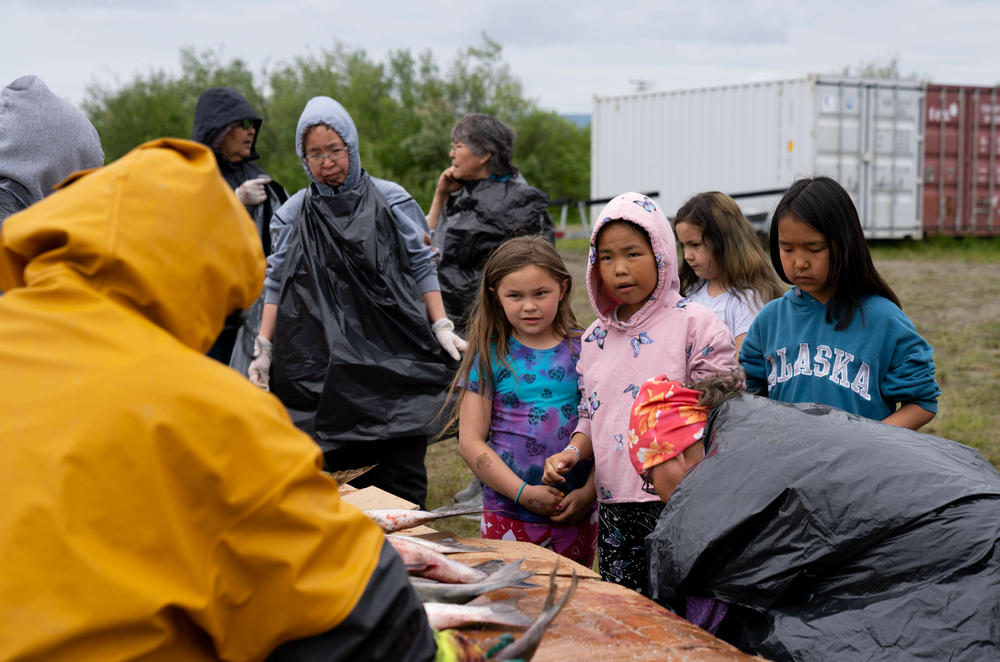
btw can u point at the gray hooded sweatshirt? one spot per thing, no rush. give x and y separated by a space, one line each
411 223
43 140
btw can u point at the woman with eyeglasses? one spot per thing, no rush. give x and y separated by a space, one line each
354 338
225 121
481 200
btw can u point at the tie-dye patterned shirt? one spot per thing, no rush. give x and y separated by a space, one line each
534 414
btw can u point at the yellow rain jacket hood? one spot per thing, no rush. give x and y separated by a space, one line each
156 505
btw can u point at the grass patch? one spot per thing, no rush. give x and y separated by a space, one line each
974 249
448 473
968 363
577 245
951 291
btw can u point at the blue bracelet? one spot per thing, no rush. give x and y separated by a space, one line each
519 491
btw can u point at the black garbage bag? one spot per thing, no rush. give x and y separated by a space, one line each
261 214
475 221
354 357
249 327
834 537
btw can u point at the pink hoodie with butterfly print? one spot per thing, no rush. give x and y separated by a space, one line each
667 335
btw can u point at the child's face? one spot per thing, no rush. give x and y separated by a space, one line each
627 266
805 257
697 253
530 298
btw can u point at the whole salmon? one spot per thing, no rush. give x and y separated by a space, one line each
397 519
434 565
442 615
432 591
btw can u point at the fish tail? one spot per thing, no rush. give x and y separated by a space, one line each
524 648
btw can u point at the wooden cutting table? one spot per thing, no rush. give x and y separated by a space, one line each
602 621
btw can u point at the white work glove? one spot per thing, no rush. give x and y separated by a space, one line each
259 371
253 191
444 330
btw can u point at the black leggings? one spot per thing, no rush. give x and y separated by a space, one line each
621 542
400 471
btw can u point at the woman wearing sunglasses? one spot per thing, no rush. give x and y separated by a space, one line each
225 121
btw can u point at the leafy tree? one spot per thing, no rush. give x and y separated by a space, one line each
158 104
554 154
481 82
888 69
404 109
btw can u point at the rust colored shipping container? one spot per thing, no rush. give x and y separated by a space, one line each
962 161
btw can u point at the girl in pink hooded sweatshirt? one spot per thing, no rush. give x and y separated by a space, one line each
643 328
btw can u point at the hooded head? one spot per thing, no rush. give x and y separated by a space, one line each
324 110
157 232
43 139
218 108
643 212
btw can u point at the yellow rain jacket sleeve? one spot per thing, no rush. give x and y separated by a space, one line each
156 505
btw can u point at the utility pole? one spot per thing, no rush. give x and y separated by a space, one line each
640 84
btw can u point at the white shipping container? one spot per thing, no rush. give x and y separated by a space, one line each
757 138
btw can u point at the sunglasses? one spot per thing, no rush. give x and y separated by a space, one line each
245 124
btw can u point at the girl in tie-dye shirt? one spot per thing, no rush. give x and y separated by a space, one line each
518 401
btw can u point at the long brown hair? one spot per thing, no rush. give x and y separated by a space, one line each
489 328
733 243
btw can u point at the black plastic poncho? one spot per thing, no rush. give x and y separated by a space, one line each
836 538
243 328
217 108
354 357
477 218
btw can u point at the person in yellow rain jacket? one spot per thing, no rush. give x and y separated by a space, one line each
156 505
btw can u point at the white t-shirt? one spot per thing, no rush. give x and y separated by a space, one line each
736 308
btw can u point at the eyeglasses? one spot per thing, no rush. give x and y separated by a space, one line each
245 124
647 487
315 158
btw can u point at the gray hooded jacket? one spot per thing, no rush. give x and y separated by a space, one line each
411 223
43 140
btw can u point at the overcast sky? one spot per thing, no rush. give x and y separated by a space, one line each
563 52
